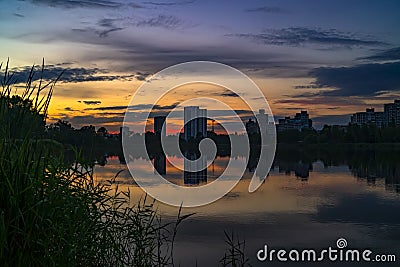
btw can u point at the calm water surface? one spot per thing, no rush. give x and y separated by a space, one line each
305 202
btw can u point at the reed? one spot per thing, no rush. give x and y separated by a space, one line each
52 212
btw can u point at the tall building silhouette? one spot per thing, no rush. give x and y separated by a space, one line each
160 164
123 131
261 121
195 120
392 113
159 123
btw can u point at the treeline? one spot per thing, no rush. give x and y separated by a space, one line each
367 133
85 137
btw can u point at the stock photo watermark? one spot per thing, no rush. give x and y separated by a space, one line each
338 253
194 112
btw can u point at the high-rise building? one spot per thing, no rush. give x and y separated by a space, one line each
390 117
160 164
262 120
195 120
299 122
392 113
369 116
123 131
159 123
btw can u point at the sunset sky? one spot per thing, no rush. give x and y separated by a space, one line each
331 58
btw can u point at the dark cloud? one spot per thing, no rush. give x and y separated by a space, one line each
391 54
137 107
81 30
296 36
106 32
126 49
100 32
141 76
78 4
108 26
314 99
79 121
68 109
69 74
108 23
308 86
135 5
19 15
168 3
359 80
91 102
109 108
163 21
266 9
229 93
166 107
103 28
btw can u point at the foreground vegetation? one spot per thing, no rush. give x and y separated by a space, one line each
53 213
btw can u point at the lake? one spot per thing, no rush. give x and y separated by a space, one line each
310 199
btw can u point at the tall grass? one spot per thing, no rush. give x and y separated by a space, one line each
235 252
53 213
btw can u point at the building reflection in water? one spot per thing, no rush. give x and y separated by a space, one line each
195 169
160 164
372 167
375 171
301 169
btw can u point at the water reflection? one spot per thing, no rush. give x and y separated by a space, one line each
368 165
160 164
195 171
311 197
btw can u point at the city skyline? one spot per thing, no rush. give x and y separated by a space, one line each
388 117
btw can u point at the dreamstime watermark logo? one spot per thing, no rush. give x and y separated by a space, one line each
340 253
197 109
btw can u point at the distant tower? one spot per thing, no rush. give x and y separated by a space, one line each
123 131
159 123
195 120
262 120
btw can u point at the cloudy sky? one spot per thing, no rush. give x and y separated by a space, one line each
329 57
